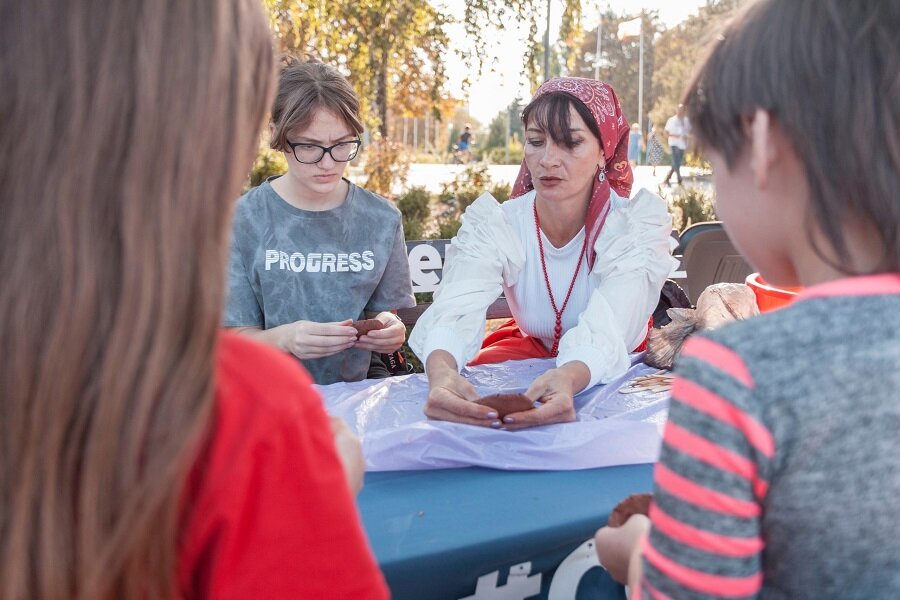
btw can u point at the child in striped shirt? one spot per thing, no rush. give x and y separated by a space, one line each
779 472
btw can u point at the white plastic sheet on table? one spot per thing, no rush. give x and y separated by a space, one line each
611 428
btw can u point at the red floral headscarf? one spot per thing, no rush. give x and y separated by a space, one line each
603 104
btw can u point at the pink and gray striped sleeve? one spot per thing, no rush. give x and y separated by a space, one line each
711 482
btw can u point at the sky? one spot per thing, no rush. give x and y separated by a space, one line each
503 78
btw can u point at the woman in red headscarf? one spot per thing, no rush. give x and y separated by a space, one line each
580 264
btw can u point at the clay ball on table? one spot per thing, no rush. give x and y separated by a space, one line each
506 404
635 504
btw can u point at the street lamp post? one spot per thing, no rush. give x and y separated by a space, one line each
547 45
641 80
597 53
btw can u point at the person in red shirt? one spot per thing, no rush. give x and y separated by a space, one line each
144 453
271 516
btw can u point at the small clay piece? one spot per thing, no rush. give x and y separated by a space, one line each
506 404
366 325
635 504
661 381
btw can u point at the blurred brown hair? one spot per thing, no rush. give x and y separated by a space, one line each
127 128
829 72
304 87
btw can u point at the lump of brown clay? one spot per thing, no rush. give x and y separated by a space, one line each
506 404
366 325
635 504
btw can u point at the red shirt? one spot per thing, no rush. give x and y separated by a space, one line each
270 511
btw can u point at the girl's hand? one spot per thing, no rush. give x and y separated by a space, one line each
306 339
350 452
384 340
556 390
451 397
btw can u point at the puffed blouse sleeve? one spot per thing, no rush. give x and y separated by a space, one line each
484 254
633 261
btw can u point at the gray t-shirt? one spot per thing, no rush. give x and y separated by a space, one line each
288 264
778 476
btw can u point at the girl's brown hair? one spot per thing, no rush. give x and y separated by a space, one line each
127 129
829 72
303 88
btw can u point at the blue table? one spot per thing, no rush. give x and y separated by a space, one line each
435 533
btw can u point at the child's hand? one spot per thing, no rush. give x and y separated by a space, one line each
306 339
619 549
384 340
452 398
350 452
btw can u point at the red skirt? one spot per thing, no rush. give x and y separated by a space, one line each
509 343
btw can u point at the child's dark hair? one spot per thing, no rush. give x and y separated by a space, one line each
829 73
550 112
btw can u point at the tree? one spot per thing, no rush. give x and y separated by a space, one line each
393 51
571 35
619 60
496 138
679 49
497 131
406 44
485 14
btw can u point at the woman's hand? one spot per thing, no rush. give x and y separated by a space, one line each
384 340
619 549
350 452
306 339
451 397
556 391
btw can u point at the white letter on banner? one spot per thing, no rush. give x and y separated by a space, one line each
424 258
519 585
564 584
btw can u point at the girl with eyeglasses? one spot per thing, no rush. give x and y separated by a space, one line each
311 252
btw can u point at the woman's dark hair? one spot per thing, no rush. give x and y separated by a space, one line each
128 128
304 87
828 71
550 112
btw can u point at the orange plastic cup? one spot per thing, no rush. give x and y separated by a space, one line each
768 297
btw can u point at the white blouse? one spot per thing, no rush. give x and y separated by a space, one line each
496 250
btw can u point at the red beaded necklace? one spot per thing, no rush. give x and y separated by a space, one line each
557 330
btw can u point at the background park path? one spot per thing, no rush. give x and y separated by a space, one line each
434 176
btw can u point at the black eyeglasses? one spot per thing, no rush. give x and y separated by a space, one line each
310 154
